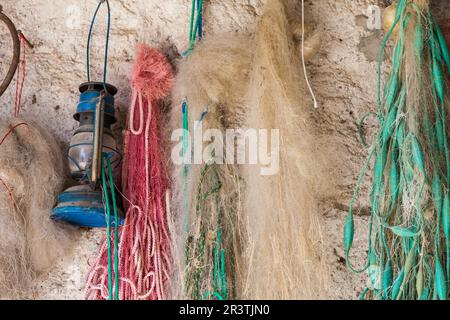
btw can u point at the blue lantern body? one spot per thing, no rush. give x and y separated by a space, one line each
83 205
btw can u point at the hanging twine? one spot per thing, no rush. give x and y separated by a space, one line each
19 88
20 80
311 91
196 251
108 29
201 250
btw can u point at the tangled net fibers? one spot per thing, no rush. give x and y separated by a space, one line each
31 176
409 238
283 225
257 232
209 194
144 240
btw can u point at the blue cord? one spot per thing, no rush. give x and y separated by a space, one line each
196 26
107 43
200 20
202 116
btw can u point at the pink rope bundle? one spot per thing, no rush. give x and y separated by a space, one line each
144 242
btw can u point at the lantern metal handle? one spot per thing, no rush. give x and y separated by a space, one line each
98 139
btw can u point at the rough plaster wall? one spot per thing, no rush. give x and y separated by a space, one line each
343 74
345 81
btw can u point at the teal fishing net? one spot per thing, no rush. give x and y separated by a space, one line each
409 232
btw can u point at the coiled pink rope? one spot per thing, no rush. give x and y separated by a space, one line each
144 241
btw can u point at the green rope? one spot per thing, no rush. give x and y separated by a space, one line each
185 173
201 252
88 65
191 23
197 250
195 25
410 206
106 158
116 227
108 229
361 128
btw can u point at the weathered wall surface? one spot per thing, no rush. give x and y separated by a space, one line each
344 76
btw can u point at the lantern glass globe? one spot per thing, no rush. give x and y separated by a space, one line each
80 151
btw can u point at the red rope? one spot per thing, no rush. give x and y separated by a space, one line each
11 130
20 75
10 193
144 242
8 190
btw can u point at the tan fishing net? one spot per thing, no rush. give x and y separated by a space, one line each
271 227
31 176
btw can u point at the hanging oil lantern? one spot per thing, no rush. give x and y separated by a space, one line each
92 152
83 204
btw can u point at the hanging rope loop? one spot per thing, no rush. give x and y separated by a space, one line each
311 91
136 99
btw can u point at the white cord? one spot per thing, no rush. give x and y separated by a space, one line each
303 57
134 98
